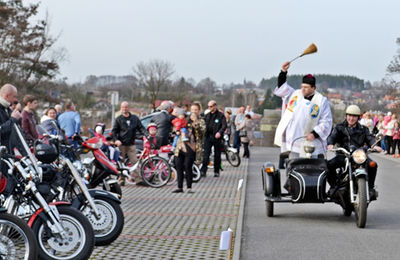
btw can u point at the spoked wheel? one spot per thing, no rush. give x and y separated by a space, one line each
196 173
17 240
109 225
78 242
270 208
156 171
233 158
360 207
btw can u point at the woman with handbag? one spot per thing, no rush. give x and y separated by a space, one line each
245 127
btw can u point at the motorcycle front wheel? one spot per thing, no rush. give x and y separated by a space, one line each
109 225
78 244
360 207
233 158
156 171
17 240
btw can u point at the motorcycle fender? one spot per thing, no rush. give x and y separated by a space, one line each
105 162
269 180
40 212
104 194
360 172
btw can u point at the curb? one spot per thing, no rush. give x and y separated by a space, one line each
239 225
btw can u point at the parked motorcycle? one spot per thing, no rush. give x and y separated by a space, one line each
96 169
306 181
62 231
102 208
17 240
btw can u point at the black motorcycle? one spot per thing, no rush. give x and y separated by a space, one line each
306 180
64 178
62 231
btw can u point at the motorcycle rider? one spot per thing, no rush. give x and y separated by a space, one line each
352 133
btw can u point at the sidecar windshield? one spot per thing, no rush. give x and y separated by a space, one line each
301 148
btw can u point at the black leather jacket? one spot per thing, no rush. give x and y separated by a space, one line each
164 126
6 125
215 123
125 129
359 136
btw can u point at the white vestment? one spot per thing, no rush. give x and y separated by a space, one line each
300 122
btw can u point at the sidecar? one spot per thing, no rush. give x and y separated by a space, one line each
305 179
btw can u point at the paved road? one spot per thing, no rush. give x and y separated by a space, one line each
320 231
164 225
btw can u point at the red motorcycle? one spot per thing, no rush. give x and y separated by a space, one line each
97 169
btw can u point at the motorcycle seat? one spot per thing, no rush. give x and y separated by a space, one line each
307 165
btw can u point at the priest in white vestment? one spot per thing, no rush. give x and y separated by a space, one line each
305 112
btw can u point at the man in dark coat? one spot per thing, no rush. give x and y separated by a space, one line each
8 95
124 133
163 121
215 128
8 138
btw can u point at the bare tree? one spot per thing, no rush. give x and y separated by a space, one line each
153 75
394 66
26 49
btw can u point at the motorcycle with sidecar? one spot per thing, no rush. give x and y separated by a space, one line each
306 173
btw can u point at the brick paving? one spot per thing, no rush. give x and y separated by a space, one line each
164 225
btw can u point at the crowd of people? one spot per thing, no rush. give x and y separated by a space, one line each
386 125
195 131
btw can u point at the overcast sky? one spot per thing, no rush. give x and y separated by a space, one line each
227 41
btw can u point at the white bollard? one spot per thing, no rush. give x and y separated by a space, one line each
225 242
240 185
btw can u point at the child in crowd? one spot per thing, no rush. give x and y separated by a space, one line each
152 143
179 124
396 140
112 153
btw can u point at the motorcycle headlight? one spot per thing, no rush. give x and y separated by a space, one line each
77 165
97 145
359 156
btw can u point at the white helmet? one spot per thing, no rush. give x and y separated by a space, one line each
353 110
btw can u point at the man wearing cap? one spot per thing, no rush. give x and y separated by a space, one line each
351 133
305 112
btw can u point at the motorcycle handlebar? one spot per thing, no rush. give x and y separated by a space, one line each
340 149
